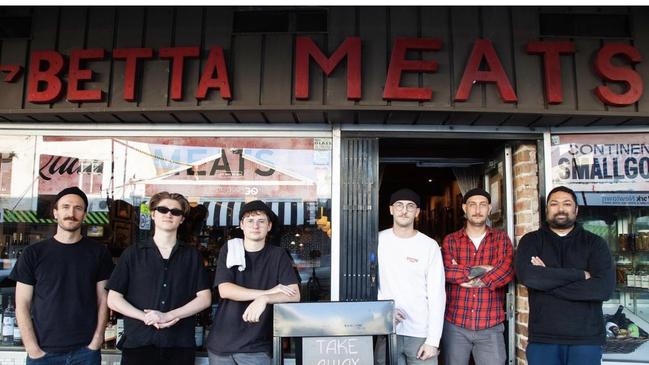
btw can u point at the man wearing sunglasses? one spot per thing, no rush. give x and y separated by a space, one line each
158 285
60 289
411 273
250 275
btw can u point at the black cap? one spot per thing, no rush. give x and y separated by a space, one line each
474 192
405 194
254 206
72 190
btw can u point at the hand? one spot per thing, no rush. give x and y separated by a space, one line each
587 275
536 261
166 324
486 267
281 289
156 318
36 353
96 342
427 351
453 262
475 283
255 309
399 316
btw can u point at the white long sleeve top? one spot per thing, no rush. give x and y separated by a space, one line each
411 272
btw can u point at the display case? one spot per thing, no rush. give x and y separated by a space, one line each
626 229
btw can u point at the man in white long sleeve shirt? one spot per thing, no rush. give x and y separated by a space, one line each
411 272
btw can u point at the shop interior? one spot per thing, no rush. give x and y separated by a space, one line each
436 169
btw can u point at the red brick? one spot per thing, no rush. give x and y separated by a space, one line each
525 168
521 329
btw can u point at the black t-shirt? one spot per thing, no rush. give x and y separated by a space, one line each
64 277
148 281
264 270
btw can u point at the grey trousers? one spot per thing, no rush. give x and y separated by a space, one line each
252 358
407 348
487 346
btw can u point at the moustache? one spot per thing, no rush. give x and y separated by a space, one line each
71 219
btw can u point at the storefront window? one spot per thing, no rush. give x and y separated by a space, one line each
217 175
610 174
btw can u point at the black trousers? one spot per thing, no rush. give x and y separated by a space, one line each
153 355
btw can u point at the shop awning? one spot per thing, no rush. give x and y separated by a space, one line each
290 213
30 216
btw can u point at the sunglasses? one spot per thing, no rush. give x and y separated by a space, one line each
164 210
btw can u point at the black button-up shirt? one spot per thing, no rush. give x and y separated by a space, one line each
148 281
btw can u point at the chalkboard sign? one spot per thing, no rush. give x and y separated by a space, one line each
353 350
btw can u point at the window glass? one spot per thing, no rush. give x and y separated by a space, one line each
217 176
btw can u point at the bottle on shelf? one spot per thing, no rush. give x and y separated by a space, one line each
18 339
8 322
110 332
199 332
119 328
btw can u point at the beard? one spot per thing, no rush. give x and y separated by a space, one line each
561 223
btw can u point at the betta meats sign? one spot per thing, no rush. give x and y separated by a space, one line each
601 162
46 82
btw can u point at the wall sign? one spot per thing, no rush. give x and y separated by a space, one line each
51 74
601 162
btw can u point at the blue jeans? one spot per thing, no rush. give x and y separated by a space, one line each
82 356
551 354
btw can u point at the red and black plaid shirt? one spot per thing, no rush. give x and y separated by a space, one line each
477 308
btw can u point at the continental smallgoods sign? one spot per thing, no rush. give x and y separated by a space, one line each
601 162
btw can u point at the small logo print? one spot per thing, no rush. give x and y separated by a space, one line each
412 259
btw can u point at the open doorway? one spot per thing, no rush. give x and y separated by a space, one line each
439 170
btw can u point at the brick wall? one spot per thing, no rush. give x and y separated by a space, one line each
527 218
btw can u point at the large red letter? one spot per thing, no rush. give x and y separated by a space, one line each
305 47
131 55
76 75
484 49
47 77
551 52
178 55
215 62
399 64
609 72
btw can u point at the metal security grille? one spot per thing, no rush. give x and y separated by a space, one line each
359 218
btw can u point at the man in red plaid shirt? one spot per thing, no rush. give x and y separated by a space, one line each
478 265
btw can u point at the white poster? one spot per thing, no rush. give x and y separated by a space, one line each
601 162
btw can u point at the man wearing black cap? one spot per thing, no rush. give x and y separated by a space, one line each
250 274
411 273
568 272
60 296
478 265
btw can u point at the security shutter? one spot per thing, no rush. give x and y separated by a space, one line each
359 218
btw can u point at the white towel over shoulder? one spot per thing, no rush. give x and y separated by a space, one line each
236 254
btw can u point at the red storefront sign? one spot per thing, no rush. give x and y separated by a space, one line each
46 82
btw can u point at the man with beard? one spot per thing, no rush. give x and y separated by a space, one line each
411 273
568 272
60 296
478 265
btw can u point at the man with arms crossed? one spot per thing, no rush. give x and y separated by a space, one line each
158 285
568 272
60 290
478 264
411 273
250 275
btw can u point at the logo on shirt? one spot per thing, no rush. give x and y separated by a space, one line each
412 259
